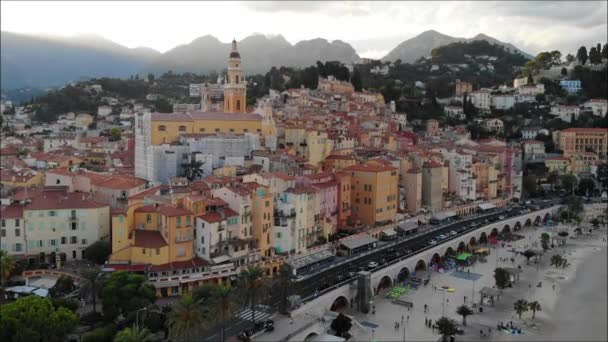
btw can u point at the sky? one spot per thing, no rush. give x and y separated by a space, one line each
372 28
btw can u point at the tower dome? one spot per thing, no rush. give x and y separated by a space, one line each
234 53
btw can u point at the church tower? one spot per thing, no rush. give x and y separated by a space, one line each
235 87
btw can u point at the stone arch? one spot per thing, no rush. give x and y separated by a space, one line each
506 229
420 266
450 252
339 304
435 259
461 247
517 226
473 241
483 238
403 274
546 218
537 221
310 336
384 283
528 223
494 232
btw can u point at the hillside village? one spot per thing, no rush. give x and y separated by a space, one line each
188 174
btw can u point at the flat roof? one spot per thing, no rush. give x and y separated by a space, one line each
444 215
309 259
486 206
405 226
389 232
358 240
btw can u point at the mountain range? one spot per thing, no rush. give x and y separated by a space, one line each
41 61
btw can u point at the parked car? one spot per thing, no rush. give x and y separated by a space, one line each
372 265
432 242
452 233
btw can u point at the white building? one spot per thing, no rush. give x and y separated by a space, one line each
104 111
503 102
494 125
12 229
565 112
534 150
481 99
57 142
598 107
454 112
530 133
534 89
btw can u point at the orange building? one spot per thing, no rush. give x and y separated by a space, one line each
578 140
374 192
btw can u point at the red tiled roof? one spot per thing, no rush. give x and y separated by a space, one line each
283 176
148 239
191 116
585 130
147 192
194 262
11 211
164 209
431 164
126 267
370 168
63 200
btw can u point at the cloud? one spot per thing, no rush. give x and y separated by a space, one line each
336 8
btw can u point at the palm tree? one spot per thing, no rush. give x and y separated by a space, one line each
193 169
285 281
534 306
7 265
464 311
92 284
520 307
185 319
222 302
133 334
252 283
446 327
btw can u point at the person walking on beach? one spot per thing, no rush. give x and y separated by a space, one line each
425 306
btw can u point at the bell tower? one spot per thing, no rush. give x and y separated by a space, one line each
235 87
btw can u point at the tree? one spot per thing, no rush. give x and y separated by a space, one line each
203 293
529 185
150 77
464 311
530 80
544 241
285 282
7 265
356 80
520 306
102 334
98 252
124 293
115 134
557 260
553 179
568 182
252 284
33 318
604 52
192 170
581 55
223 302
534 306
92 284
133 334
341 325
502 278
595 56
63 286
569 58
186 319
564 72
446 327
528 254
586 186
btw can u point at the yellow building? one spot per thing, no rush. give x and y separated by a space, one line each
262 203
310 144
579 140
167 128
560 165
486 179
235 88
374 192
21 179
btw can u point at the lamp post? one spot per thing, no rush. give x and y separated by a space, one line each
137 316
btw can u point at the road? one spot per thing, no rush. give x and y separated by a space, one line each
327 277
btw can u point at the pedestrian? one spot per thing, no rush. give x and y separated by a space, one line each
408 318
426 321
291 321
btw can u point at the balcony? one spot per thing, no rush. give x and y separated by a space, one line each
184 239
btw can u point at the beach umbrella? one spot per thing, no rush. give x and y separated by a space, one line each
451 289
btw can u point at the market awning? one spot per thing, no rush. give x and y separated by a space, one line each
389 232
488 291
486 206
481 250
463 256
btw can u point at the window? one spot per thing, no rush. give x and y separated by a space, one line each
278 235
83 241
74 225
245 130
217 130
121 218
18 247
17 232
267 204
143 251
238 103
232 130
17 222
3 223
162 128
52 213
158 251
182 128
236 78
179 221
73 239
3 232
58 181
181 251
148 218
187 221
52 242
63 240
201 130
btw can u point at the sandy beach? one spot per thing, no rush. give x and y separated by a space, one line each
575 310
